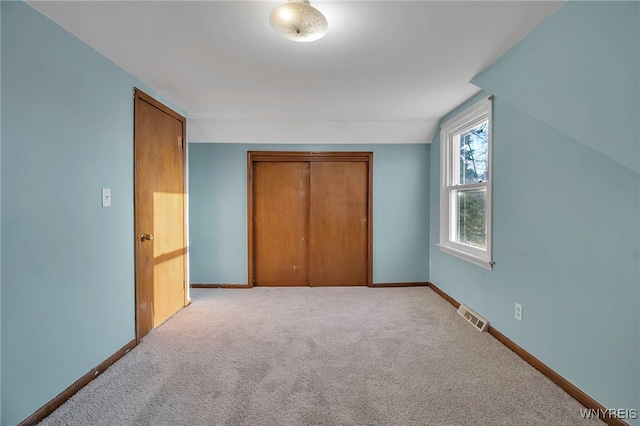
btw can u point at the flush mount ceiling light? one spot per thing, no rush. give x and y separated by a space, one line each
297 20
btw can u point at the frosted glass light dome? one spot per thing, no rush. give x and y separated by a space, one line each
297 20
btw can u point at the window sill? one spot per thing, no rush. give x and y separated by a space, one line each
476 260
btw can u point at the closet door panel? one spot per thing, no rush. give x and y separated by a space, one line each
281 217
338 223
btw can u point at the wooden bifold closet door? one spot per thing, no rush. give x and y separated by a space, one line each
309 222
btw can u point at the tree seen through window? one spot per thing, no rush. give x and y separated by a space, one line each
471 203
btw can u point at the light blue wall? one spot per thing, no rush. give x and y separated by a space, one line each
67 264
585 58
566 217
218 210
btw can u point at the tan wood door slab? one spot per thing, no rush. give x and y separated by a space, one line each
338 223
159 213
281 223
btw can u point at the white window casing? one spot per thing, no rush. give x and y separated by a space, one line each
450 185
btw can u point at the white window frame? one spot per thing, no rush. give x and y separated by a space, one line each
449 164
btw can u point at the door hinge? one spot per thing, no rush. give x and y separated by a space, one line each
180 142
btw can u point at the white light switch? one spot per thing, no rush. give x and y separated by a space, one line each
106 197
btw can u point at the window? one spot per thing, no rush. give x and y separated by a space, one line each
465 185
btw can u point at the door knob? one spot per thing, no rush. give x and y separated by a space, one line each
146 237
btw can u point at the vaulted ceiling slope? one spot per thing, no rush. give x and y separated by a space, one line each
385 72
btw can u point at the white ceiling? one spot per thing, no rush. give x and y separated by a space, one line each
386 71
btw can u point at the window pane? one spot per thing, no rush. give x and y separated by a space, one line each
474 154
472 219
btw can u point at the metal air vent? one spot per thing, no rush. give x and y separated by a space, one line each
473 318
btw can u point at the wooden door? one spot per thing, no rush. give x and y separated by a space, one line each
309 218
160 247
338 223
281 223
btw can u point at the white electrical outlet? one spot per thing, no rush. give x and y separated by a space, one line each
429 262
518 312
106 197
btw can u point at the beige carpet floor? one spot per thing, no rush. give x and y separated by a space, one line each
319 356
